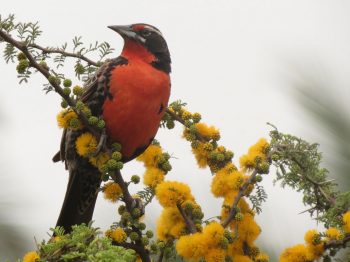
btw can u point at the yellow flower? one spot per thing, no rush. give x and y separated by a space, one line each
153 176
31 257
333 233
346 220
225 182
248 229
192 246
314 251
213 234
64 118
112 191
118 235
151 156
262 257
86 144
294 254
215 255
208 132
99 160
201 155
312 237
255 152
170 224
171 193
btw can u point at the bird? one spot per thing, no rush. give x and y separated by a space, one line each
131 94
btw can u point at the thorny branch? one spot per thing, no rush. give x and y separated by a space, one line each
241 193
189 223
62 52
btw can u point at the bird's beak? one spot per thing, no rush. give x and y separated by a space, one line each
125 31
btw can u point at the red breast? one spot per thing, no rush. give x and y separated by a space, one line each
140 94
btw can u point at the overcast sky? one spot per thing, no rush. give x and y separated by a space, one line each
233 61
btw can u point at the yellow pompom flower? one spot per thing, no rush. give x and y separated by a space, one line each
248 229
118 235
192 246
151 156
262 257
333 233
215 255
86 144
170 224
171 193
255 152
346 220
312 237
213 234
64 118
201 155
225 182
153 176
208 132
314 252
112 191
31 257
294 254
99 160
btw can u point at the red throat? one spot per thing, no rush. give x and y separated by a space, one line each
134 50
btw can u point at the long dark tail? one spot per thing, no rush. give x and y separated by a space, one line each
80 199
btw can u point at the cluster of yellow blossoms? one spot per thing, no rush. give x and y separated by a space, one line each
210 243
156 164
315 242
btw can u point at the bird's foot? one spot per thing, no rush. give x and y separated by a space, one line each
101 143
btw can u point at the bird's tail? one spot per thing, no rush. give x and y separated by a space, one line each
80 199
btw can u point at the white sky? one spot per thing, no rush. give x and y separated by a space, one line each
233 61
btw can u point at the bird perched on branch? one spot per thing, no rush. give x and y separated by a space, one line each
131 93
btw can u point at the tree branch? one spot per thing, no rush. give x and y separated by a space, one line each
68 54
337 243
189 223
45 72
241 193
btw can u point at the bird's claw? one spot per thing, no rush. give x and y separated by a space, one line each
101 143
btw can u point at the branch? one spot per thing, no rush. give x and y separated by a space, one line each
189 223
233 210
337 243
130 204
68 54
180 120
45 72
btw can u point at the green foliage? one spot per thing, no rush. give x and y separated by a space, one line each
298 165
85 243
258 198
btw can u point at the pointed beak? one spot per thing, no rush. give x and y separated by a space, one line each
125 31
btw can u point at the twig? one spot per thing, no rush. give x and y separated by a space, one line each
130 204
189 223
337 243
241 192
33 63
68 54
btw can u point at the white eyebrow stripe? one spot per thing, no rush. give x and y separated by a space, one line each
153 29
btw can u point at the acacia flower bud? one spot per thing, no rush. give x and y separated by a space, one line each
78 90
93 120
22 66
21 56
135 179
133 236
149 234
101 123
67 91
67 83
117 155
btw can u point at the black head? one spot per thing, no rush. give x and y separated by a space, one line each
149 37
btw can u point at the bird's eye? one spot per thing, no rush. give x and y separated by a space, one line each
146 33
